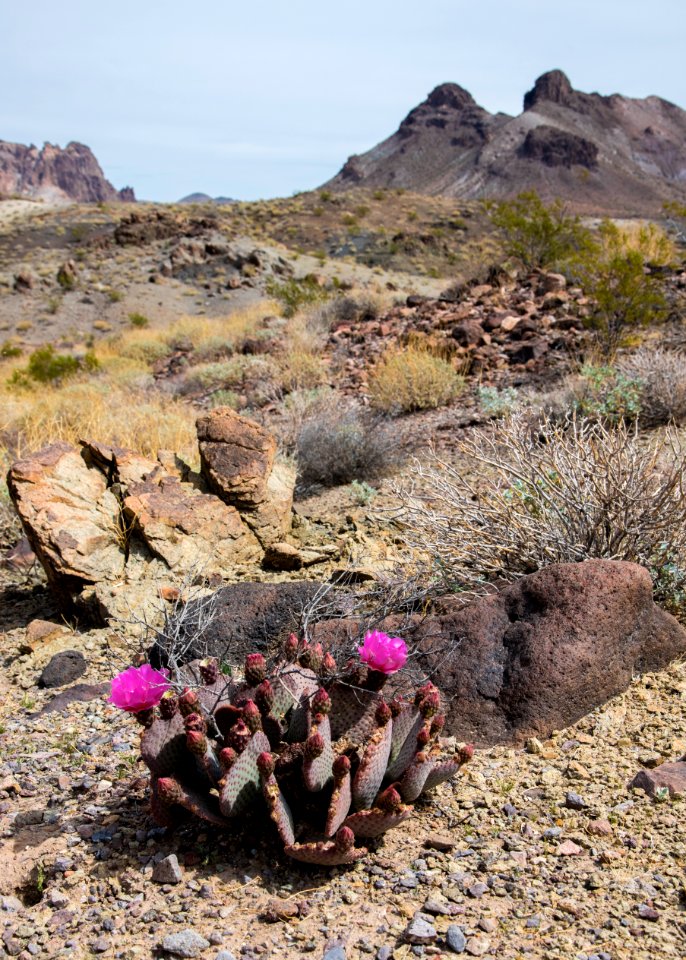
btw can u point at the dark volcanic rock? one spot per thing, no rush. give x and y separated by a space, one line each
547 650
249 617
632 149
557 148
668 776
63 668
553 87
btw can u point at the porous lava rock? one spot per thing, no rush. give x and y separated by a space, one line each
546 650
247 617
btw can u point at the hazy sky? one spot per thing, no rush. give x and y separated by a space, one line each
258 99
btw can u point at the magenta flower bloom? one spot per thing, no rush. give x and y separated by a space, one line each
383 653
139 688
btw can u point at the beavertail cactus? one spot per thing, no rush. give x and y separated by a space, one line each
322 751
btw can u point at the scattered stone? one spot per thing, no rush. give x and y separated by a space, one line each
437 841
167 870
335 952
477 890
478 946
455 938
102 945
186 943
63 668
646 912
419 931
670 777
569 849
575 802
600 828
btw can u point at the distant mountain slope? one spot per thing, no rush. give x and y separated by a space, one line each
54 173
611 153
205 198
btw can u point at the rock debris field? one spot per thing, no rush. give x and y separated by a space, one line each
542 852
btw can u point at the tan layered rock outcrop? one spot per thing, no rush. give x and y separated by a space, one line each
111 527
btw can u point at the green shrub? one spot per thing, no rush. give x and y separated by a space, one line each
498 403
46 366
138 320
625 296
608 394
535 234
294 294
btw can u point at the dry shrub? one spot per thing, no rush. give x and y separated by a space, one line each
661 375
641 236
337 442
413 379
558 493
301 370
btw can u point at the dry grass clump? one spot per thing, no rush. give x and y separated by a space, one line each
411 378
556 493
336 441
641 236
661 375
301 370
96 409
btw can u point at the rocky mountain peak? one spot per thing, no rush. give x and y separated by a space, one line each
553 86
450 95
55 173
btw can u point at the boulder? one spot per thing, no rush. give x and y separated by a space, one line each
63 668
70 517
237 462
112 527
546 650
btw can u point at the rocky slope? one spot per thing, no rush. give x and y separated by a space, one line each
53 173
604 153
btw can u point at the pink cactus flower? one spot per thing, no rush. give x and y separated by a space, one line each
383 653
139 688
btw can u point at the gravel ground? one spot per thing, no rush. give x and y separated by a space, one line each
542 854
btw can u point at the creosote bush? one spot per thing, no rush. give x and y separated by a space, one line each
553 493
536 234
410 379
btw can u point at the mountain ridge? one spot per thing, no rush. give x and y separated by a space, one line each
601 153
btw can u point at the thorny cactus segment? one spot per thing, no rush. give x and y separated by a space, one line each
318 747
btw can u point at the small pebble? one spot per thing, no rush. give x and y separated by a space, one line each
455 938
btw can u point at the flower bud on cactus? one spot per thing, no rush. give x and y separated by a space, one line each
255 669
265 764
196 741
314 746
252 717
291 647
194 722
227 758
145 717
423 737
396 706
321 702
437 724
209 670
344 839
466 752
238 736
328 667
168 790
430 705
264 697
169 705
189 702
422 692
389 799
383 714
340 767
311 656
